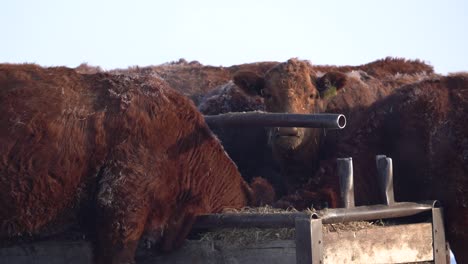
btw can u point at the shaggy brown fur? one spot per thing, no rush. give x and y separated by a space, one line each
423 128
288 88
298 87
247 146
367 83
133 149
192 78
227 98
361 91
384 68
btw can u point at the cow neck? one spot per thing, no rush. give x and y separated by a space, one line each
299 165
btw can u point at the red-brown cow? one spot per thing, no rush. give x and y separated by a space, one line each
136 151
298 87
192 79
384 68
423 128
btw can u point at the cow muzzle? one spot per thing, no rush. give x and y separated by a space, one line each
286 138
286 132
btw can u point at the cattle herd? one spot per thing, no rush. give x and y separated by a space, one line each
126 154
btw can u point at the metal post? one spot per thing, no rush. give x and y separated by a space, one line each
309 241
438 234
385 177
345 174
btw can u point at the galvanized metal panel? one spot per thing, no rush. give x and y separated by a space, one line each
391 244
388 244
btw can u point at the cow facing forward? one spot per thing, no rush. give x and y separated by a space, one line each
292 87
298 87
130 156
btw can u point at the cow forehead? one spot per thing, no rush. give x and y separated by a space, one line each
289 82
293 74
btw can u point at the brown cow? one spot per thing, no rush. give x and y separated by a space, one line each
423 128
192 79
297 87
384 68
246 146
130 155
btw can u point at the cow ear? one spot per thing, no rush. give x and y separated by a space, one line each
250 82
330 83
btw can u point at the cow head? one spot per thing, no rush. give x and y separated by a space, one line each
292 87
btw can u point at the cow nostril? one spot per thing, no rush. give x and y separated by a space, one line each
287 132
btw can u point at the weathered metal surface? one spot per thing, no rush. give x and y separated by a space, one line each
309 246
261 220
387 244
385 178
391 244
373 212
48 252
263 119
438 232
345 174
328 216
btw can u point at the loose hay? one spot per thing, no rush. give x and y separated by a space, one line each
351 226
249 236
263 210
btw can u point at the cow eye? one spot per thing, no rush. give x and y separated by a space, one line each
265 94
314 96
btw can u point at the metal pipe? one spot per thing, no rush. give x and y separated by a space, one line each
239 220
373 212
263 119
385 178
328 216
345 174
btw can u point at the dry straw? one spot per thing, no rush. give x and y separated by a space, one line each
249 236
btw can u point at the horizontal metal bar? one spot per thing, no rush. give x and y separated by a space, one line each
264 119
373 212
238 220
328 216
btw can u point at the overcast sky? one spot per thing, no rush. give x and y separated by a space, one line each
117 34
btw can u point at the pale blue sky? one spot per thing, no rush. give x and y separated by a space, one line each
117 34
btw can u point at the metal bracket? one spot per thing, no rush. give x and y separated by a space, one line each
385 177
438 234
345 174
309 241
